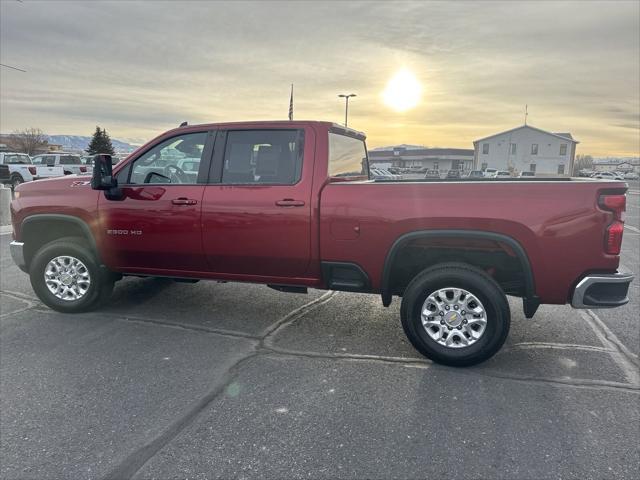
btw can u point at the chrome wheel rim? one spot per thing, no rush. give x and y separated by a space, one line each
453 317
67 278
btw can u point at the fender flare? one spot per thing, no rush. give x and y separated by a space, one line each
52 217
530 300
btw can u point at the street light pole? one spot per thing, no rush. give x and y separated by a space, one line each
346 105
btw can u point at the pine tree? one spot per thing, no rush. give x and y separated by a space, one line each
100 143
108 148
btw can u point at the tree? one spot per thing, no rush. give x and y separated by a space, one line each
100 143
28 141
583 162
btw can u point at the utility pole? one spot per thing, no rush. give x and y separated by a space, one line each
346 105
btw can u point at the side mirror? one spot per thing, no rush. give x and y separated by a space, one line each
102 178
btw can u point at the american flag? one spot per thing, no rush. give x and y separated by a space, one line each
291 104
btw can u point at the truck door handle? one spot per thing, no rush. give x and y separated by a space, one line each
184 201
290 202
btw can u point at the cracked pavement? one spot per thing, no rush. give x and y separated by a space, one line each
216 380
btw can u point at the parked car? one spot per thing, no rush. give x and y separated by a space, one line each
502 174
631 176
453 174
70 163
609 176
35 169
389 174
46 166
490 172
20 168
289 204
527 174
432 174
379 174
475 174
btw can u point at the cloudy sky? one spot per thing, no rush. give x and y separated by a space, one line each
139 68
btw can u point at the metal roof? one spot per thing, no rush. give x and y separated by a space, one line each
415 152
564 136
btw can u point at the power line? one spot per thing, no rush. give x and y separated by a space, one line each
14 68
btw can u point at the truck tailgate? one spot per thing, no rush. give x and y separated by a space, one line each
43 171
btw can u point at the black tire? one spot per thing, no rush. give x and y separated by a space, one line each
101 280
476 282
15 181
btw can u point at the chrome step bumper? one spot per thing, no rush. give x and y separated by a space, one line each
602 291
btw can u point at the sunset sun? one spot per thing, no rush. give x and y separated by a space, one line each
403 91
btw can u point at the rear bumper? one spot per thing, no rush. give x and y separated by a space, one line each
602 291
17 253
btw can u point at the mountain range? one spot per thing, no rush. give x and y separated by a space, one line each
80 143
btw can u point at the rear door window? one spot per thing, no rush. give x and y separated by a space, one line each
263 157
70 160
347 156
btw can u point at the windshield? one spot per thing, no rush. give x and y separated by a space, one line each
15 159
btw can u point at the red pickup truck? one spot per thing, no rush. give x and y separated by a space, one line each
291 205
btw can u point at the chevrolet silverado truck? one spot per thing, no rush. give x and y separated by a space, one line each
292 205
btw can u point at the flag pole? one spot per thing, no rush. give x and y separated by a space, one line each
291 104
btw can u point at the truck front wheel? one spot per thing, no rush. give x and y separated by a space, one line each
455 314
66 277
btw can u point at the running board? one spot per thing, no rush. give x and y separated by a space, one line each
288 288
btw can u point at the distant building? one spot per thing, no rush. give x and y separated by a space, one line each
526 148
617 165
408 156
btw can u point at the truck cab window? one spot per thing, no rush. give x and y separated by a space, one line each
347 156
176 160
263 156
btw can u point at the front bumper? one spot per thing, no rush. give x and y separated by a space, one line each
602 291
17 253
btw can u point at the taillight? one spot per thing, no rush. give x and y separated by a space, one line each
83 169
613 234
32 170
613 238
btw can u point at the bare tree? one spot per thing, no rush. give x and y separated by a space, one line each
583 162
28 141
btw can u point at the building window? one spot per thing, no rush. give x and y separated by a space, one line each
484 166
534 149
485 149
561 169
512 148
436 165
563 149
532 167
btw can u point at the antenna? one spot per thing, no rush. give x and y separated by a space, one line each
526 113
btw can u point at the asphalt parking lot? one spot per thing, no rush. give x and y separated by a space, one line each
239 381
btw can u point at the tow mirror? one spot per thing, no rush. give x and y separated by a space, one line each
102 178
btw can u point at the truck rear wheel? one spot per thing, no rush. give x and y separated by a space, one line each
455 314
66 277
